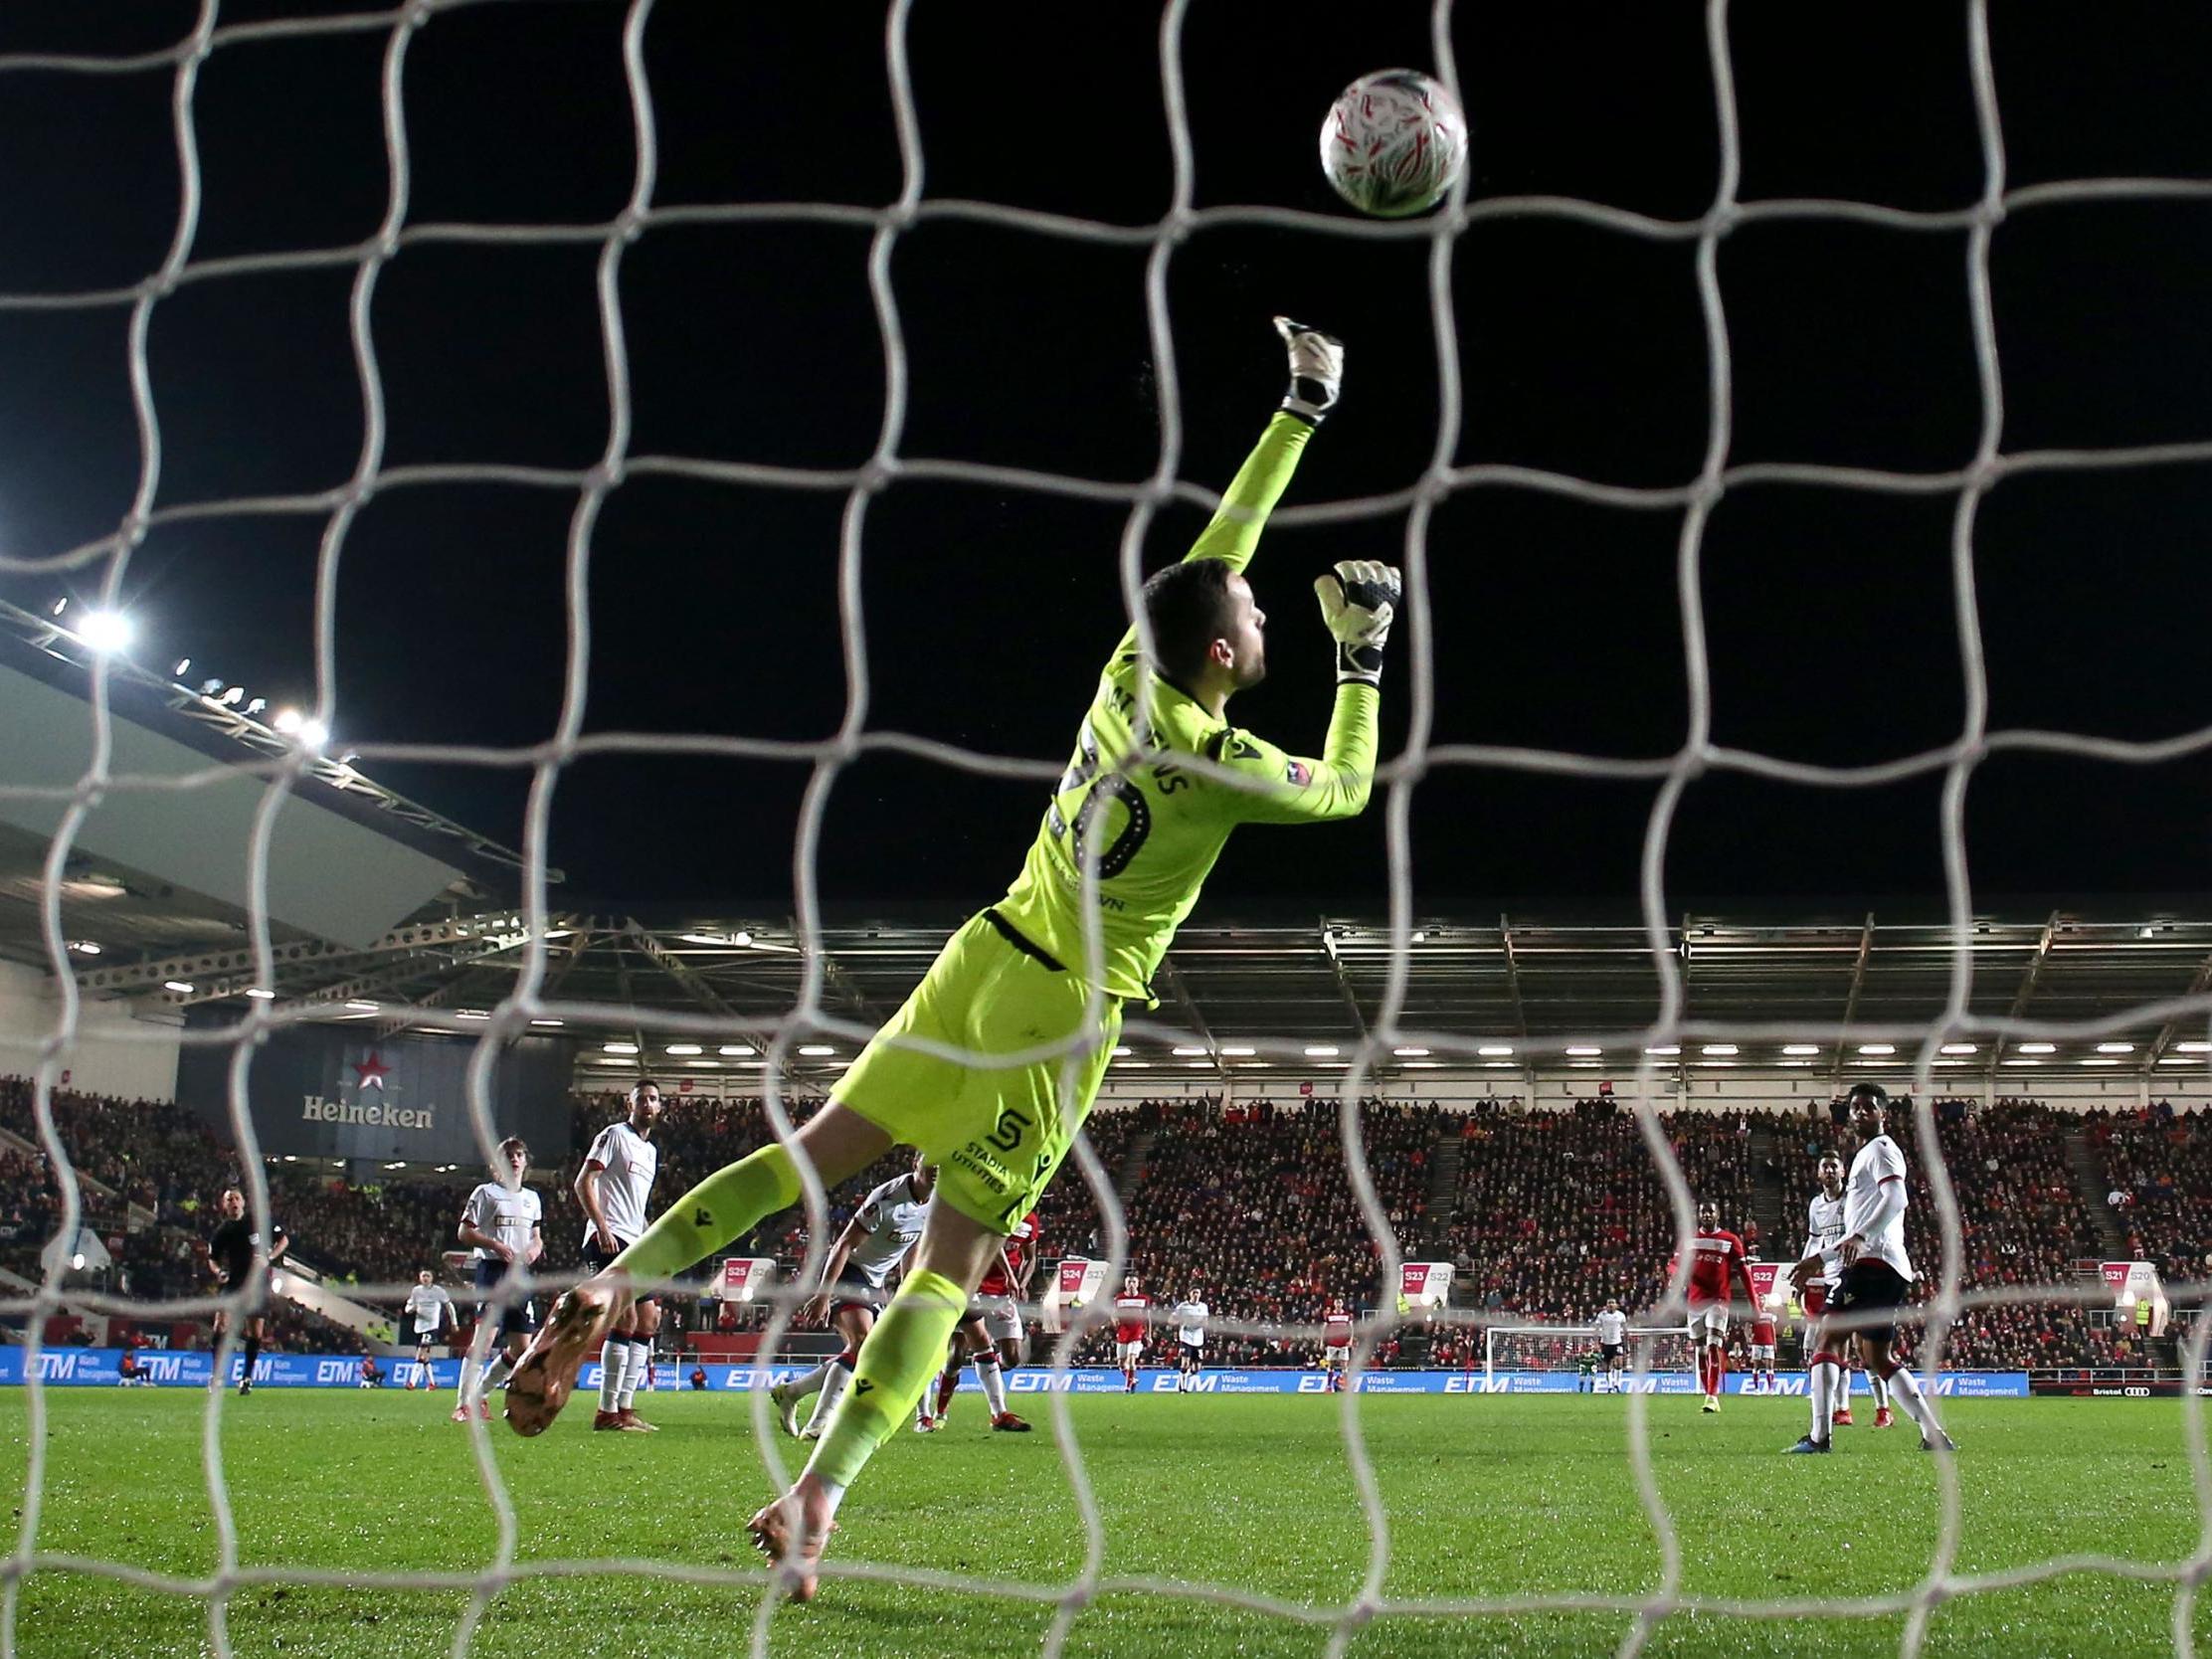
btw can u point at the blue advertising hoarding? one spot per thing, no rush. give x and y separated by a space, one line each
95 1366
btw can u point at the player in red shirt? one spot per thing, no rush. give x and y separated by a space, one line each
1762 1345
1720 1263
1336 1343
1131 1309
990 1334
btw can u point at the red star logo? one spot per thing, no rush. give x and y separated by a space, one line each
370 1072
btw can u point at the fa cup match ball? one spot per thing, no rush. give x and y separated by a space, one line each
1394 143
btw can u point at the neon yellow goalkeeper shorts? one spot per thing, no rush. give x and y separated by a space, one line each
996 1136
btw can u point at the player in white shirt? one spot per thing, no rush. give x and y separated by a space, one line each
1612 1342
1827 1354
613 1186
1874 1274
427 1312
855 1284
500 1224
1189 1319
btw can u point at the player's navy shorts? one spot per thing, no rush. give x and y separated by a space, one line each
1614 1351
1869 1288
504 1319
595 1258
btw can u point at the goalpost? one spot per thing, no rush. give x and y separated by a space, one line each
1510 1348
330 510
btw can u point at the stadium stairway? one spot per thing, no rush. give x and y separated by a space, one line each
309 1288
1133 1161
1439 1224
1776 1241
140 1215
2091 1183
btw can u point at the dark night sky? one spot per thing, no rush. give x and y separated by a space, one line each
989 610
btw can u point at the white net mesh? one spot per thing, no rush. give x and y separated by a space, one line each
859 735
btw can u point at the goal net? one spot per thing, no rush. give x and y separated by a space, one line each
884 232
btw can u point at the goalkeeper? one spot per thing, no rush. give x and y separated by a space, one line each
1017 978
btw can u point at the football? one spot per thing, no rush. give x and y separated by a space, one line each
1393 143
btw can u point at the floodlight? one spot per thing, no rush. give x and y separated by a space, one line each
107 631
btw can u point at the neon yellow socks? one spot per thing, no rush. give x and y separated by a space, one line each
714 1212
901 1358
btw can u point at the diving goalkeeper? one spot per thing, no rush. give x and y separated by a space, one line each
1017 978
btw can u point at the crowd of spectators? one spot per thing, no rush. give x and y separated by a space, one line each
1561 1210
2022 1224
1250 1207
2021 1220
2157 1169
148 1153
367 1233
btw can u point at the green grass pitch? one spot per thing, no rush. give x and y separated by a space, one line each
1486 1497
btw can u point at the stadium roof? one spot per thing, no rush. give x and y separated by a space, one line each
160 863
426 928
1514 992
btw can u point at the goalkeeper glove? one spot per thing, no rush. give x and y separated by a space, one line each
1359 603
1316 370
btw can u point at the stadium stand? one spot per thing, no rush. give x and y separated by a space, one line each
2157 1169
1247 1205
1558 1210
1250 1207
2024 1222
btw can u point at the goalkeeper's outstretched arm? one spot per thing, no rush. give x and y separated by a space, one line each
1316 379
1359 601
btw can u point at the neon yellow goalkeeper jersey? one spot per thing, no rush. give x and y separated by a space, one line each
1159 826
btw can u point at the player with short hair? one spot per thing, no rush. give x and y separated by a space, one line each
1132 1321
235 1254
1719 1261
1336 1343
502 1225
1828 1378
855 1284
1158 781
1612 1342
1875 1276
1189 1319
427 1311
614 1185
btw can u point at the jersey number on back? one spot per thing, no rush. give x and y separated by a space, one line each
1099 793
